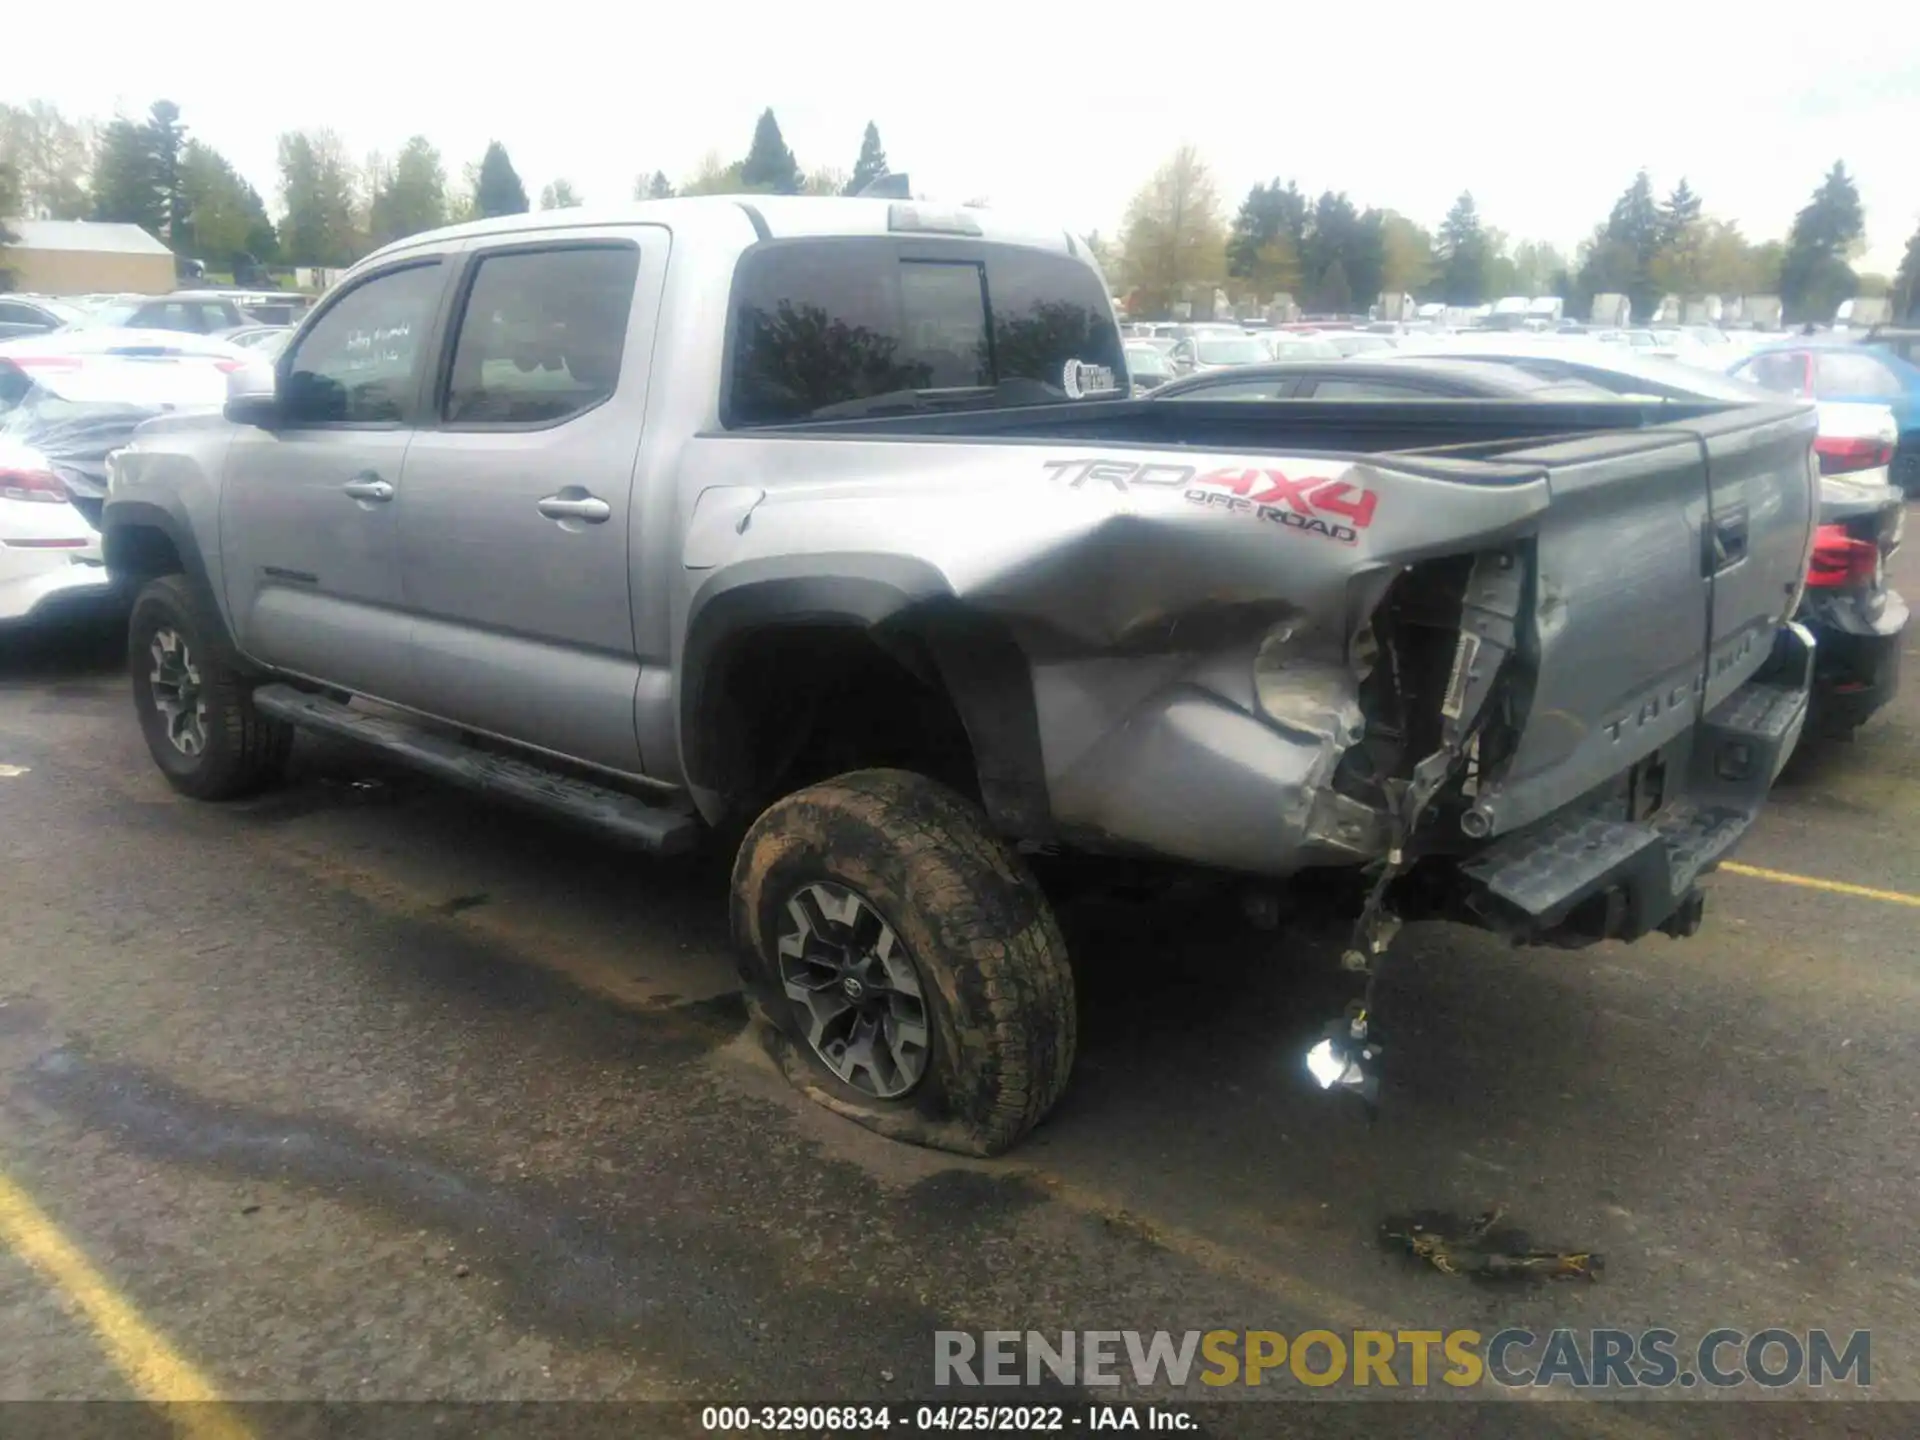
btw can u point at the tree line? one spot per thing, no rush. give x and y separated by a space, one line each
1334 257
333 208
1330 254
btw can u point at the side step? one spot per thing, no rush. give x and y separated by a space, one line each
652 827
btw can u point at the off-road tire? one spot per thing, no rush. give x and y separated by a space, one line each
244 751
993 969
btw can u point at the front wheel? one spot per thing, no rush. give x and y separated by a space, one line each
901 963
195 707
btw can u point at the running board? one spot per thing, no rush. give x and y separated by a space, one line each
652 827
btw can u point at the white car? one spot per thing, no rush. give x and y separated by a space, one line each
66 401
48 552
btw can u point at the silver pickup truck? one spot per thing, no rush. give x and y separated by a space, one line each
828 529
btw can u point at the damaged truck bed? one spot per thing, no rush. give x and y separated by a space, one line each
1243 629
823 523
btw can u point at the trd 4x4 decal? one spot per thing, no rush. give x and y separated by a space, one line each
1315 504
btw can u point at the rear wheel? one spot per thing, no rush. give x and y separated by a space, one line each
195 706
903 966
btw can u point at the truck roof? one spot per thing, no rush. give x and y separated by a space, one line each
777 216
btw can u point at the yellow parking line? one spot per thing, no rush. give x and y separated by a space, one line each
1836 887
157 1372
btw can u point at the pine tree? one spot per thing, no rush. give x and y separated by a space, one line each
1463 253
167 139
125 187
1906 284
872 163
498 190
770 167
1679 214
412 197
1814 275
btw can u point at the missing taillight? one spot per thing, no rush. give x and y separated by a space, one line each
1847 454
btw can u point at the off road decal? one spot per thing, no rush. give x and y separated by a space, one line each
1314 504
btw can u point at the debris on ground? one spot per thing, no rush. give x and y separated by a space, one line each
1483 1249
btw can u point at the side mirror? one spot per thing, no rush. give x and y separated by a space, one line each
251 396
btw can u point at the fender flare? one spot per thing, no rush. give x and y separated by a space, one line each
122 517
979 665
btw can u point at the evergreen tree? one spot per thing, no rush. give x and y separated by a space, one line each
167 141
317 186
1906 284
1463 253
1678 215
498 190
770 167
412 196
1814 275
125 188
872 163
1270 216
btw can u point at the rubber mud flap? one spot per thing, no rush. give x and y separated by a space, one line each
994 978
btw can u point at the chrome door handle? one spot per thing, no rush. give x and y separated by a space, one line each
575 507
368 487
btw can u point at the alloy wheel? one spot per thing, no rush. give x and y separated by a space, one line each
856 989
177 693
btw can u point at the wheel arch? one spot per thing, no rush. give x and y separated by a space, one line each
894 607
142 541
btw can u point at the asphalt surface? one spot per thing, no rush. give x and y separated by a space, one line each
369 1090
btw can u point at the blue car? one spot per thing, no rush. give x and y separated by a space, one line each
1830 369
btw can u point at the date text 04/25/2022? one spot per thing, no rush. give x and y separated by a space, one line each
966 1419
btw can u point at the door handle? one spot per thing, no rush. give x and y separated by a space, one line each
368 486
575 507
1727 540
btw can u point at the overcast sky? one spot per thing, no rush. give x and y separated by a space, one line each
1544 110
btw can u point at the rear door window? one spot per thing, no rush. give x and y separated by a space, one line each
1853 374
848 326
541 336
1784 371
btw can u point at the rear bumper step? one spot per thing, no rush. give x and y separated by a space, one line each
1587 875
657 828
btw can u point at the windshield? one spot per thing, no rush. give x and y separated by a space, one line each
1229 350
1147 360
112 313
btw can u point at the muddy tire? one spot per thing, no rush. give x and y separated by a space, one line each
889 888
195 706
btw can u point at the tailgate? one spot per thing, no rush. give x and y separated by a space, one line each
1765 489
1619 635
1664 567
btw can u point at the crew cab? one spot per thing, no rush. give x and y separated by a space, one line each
828 529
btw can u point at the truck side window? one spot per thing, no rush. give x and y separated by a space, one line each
541 336
818 325
360 363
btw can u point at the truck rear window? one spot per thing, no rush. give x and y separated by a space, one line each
872 326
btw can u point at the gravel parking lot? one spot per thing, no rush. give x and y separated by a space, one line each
371 1090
